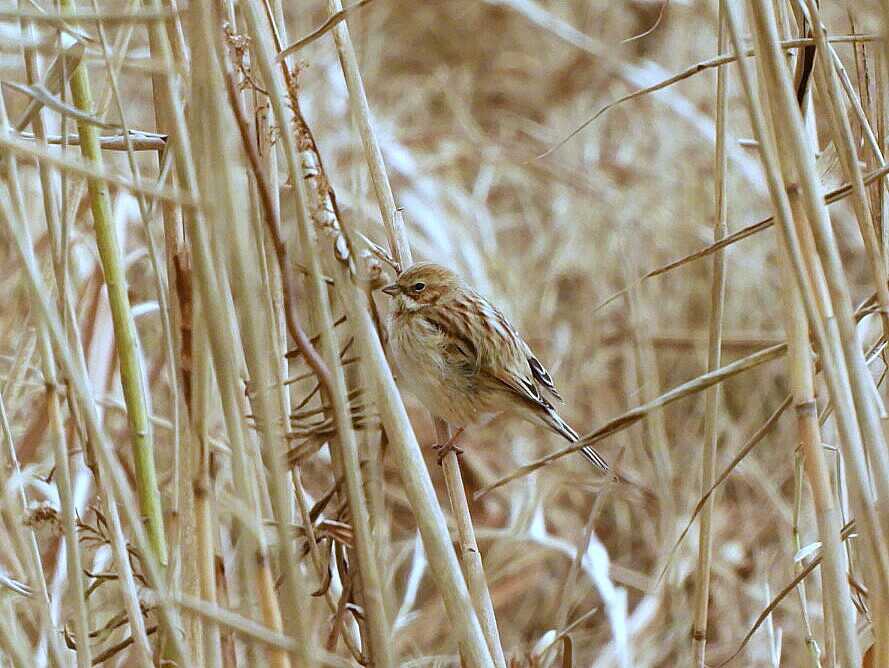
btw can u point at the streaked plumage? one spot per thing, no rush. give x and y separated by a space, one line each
462 358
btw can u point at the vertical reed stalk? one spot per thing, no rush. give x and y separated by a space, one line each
829 87
400 248
33 561
409 461
714 358
174 260
66 499
467 548
259 578
217 137
794 145
302 165
382 651
839 614
24 545
11 641
847 641
204 495
814 650
393 223
109 467
126 337
345 447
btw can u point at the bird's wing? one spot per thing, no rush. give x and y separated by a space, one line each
497 349
541 375
513 366
519 379
522 385
505 360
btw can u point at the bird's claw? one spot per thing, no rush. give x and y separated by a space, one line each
443 449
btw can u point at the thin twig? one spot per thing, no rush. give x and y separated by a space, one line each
332 21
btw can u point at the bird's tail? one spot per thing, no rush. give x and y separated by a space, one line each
551 419
594 458
555 422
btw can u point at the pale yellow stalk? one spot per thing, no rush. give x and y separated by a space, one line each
801 365
714 358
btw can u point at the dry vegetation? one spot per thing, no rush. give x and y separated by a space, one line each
157 504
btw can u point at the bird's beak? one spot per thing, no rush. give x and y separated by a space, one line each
392 289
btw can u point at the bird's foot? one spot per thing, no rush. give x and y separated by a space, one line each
443 449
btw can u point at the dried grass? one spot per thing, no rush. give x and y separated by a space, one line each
562 156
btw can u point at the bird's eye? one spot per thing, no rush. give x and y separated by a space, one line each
418 287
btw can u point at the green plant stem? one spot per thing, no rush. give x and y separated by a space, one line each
126 338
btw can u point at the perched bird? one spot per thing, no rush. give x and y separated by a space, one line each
463 360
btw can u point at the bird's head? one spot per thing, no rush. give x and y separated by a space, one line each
424 284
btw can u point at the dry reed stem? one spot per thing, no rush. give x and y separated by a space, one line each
204 496
467 547
346 450
132 141
445 567
401 253
793 144
841 128
27 151
305 346
839 616
222 204
24 547
190 481
63 471
633 415
393 224
75 16
345 447
109 467
714 357
33 561
257 576
843 619
18 655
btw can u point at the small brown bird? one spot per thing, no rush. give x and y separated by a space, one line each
463 360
